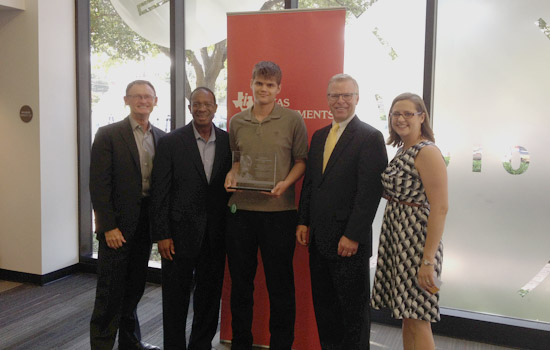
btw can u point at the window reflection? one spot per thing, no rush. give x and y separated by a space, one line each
127 44
476 159
517 154
206 46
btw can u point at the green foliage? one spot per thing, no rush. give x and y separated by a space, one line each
112 39
522 168
110 35
476 166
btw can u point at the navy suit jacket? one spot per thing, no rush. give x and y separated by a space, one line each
343 200
186 207
115 177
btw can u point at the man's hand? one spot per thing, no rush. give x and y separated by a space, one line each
279 189
230 181
166 248
114 238
347 247
302 234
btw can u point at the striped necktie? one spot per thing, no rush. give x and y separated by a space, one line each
330 143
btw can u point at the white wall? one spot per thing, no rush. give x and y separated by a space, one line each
58 130
38 162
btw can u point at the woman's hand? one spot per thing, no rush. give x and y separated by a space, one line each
426 277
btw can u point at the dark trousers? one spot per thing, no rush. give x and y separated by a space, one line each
177 277
275 234
340 289
121 277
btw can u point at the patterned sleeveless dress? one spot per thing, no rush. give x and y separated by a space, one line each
402 242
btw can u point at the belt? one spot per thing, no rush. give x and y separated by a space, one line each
410 204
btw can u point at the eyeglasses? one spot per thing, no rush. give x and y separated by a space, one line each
406 115
141 97
198 105
335 97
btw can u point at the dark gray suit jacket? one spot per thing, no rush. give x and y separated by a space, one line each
186 207
343 200
115 177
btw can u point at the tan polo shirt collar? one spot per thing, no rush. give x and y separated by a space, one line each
275 114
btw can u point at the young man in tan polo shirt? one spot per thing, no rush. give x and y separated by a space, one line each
265 219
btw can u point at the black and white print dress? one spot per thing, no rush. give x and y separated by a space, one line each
402 242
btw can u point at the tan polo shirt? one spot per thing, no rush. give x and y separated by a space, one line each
282 132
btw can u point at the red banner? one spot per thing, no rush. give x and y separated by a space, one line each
308 45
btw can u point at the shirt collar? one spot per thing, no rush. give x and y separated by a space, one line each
275 114
135 124
198 136
344 123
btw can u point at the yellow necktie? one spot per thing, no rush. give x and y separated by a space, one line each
330 143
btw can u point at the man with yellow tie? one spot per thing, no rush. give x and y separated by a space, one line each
340 196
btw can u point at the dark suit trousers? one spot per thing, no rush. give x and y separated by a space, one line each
340 289
177 278
121 277
275 234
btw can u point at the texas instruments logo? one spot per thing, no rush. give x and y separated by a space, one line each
243 101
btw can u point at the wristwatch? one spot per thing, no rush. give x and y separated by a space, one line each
427 262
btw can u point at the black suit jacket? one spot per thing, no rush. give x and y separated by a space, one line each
185 206
115 177
343 200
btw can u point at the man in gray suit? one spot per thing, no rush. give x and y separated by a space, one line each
120 172
340 195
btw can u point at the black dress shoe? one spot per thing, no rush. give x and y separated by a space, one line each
139 346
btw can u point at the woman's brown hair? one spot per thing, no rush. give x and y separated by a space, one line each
425 130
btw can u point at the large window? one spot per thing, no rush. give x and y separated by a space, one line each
384 51
490 108
206 45
130 39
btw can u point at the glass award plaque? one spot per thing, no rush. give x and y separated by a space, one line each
256 171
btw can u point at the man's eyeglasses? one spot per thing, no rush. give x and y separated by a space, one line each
346 97
406 115
142 97
198 105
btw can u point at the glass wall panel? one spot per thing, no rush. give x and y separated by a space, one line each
130 39
384 52
490 115
206 46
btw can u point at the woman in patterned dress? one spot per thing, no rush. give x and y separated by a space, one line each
410 252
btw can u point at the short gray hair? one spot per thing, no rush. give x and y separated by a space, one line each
343 77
